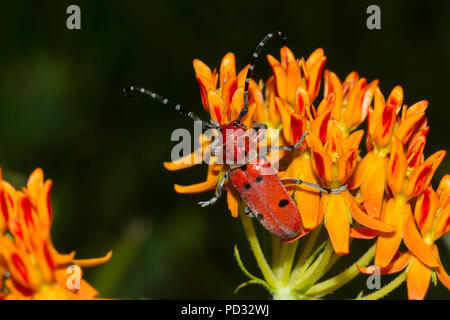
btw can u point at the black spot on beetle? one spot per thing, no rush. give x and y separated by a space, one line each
244 167
259 179
259 216
283 203
246 186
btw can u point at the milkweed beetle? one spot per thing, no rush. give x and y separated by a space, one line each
255 178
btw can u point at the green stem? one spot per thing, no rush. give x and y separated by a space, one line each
287 258
330 285
387 288
306 252
256 248
276 245
314 272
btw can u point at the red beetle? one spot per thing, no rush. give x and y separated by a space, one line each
252 175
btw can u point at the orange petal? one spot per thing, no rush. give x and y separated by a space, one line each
363 233
363 218
418 107
207 185
395 98
353 112
205 85
93 262
319 126
421 176
216 107
201 69
306 198
227 69
285 112
233 202
372 187
248 118
383 130
418 280
322 165
280 76
397 167
361 171
415 151
337 223
293 79
426 207
397 265
314 78
441 273
287 56
298 127
35 183
314 58
408 126
413 240
301 105
332 84
44 206
184 162
388 243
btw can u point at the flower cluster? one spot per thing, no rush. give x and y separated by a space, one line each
30 266
383 186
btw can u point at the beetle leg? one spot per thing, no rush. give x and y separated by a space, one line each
249 212
218 192
289 148
316 186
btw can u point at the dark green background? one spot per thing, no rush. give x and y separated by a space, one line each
61 108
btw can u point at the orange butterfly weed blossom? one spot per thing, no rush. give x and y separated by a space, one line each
382 185
30 266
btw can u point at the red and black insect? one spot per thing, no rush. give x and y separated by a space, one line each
250 174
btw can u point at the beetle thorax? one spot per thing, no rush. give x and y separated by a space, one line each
235 144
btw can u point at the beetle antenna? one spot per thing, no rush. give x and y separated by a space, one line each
252 66
128 93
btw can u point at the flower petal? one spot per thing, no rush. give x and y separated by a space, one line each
363 218
418 280
280 76
388 243
227 69
397 167
337 223
441 273
413 240
396 266
363 233
421 176
426 207
94 261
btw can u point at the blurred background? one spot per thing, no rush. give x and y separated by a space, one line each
62 109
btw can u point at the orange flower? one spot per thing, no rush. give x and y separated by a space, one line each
385 119
334 162
432 215
295 82
407 178
224 103
36 270
352 99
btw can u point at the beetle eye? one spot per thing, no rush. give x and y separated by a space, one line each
235 125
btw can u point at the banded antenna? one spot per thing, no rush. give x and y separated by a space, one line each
252 66
205 124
